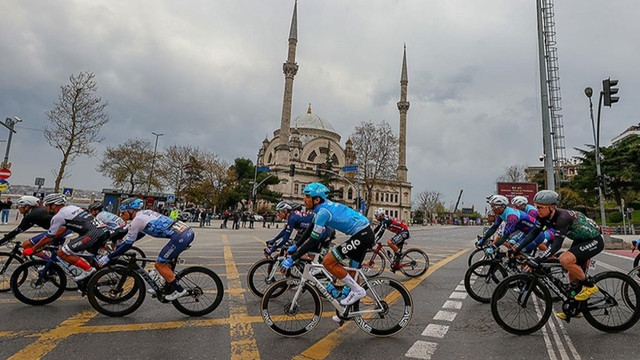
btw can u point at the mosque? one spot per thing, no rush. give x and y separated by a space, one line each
309 142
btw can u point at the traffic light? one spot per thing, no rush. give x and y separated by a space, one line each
292 170
608 89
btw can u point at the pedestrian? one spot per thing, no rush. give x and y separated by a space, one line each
236 220
6 206
244 219
209 216
203 217
225 217
264 218
251 219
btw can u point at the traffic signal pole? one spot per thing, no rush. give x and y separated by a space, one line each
596 140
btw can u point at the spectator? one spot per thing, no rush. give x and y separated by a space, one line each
236 219
203 217
209 216
244 219
6 206
225 217
264 218
251 219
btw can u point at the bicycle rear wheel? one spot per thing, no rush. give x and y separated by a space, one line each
636 261
108 298
139 255
205 291
374 264
482 278
33 288
391 314
476 255
262 275
287 317
516 307
615 307
8 264
414 262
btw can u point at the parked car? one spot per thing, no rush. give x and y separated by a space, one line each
184 216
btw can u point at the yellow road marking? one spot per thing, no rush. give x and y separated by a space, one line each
321 349
49 340
243 341
259 240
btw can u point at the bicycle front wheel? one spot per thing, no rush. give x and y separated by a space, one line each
109 297
516 307
32 285
262 275
482 278
374 264
476 255
414 262
390 304
205 291
614 307
8 264
288 315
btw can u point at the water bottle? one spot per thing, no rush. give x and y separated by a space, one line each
345 292
74 270
332 290
154 276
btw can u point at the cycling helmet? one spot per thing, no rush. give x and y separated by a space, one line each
316 189
519 200
95 206
378 212
55 199
499 200
28 200
546 197
295 207
131 204
284 205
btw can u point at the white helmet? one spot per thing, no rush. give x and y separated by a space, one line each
499 200
55 199
28 200
378 212
519 200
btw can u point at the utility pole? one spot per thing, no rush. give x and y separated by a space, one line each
9 124
153 161
546 120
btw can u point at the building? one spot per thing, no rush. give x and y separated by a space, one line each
633 130
309 141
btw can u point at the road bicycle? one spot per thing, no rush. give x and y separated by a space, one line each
412 262
482 277
265 272
293 307
120 290
522 304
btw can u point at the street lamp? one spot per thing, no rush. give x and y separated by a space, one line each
9 124
153 161
596 140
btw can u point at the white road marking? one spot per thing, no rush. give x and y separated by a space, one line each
572 348
451 304
545 335
458 295
422 350
445 315
610 267
435 330
618 255
460 288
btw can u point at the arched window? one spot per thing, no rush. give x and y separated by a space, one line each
350 194
312 156
270 158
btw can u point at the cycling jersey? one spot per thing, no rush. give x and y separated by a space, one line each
565 223
531 210
112 221
92 233
37 216
514 219
339 217
298 221
392 224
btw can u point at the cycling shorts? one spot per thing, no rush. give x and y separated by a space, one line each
585 250
176 245
91 242
399 238
356 247
34 240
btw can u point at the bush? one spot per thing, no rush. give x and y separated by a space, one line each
615 217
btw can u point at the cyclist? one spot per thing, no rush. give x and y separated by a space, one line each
92 233
116 225
346 220
587 240
296 220
394 225
33 214
522 203
160 226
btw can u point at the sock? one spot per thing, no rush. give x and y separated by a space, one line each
352 283
587 282
177 287
82 265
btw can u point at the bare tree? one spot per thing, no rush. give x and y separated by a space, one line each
76 120
376 149
217 179
173 168
513 173
428 202
129 165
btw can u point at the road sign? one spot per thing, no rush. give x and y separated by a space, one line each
4 184
5 173
350 168
171 198
39 181
68 192
263 168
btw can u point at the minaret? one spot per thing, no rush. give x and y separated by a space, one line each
290 68
403 107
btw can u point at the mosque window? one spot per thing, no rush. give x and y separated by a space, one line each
396 196
386 197
334 159
295 188
270 158
377 196
350 194
312 156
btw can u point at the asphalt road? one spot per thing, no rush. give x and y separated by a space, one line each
446 324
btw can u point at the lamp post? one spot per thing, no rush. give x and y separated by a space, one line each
596 140
9 124
153 161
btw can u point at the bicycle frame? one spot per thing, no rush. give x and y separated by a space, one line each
15 250
132 266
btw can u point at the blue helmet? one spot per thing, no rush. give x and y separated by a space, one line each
131 204
316 189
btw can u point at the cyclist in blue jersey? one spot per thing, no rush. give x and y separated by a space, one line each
296 220
343 219
156 225
522 203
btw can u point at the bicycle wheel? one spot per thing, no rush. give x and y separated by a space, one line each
516 307
139 255
108 298
414 262
33 288
374 264
613 308
205 291
476 255
390 314
287 317
8 264
262 275
635 274
636 261
482 278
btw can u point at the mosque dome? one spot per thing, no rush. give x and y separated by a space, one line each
311 121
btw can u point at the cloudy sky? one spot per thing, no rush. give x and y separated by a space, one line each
209 73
